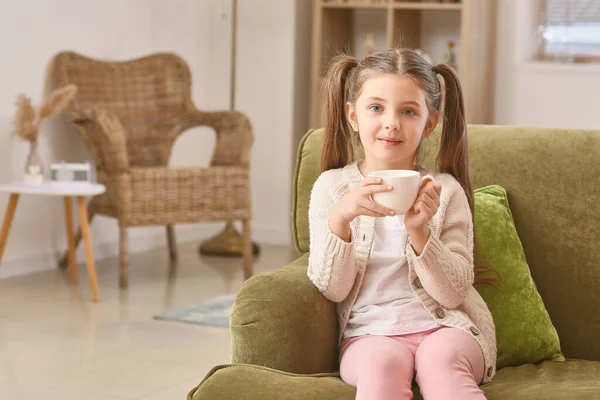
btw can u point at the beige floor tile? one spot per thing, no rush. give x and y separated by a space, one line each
179 391
10 390
55 342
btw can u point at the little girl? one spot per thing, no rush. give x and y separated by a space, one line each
403 283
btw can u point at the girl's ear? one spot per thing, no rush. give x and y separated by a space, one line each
351 115
432 122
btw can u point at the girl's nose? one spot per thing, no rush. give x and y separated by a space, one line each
392 125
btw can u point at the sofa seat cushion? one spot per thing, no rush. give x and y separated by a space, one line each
549 380
253 382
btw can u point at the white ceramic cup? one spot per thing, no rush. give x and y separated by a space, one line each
405 187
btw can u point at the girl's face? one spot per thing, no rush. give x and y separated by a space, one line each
391 117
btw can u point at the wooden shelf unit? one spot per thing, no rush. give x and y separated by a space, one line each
333 31
406 5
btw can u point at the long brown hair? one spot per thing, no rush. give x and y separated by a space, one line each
344 81
338 150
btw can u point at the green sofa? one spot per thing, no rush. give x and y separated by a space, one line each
283 331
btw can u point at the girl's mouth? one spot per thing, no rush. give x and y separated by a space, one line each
390 142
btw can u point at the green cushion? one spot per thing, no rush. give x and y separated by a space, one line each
573 379
524 331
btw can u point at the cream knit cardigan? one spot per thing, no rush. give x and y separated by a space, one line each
441 277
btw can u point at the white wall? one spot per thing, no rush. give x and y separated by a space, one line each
265 83
200 31
530 93
301 93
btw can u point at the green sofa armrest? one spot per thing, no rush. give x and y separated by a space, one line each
281 321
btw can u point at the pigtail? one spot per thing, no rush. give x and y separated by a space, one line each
337 149
453 157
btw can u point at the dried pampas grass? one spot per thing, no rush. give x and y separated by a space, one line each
25 126
27 122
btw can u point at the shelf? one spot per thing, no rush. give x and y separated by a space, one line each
428 6
356 6
405 5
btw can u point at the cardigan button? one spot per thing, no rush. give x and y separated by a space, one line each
440 313
364 237
417 283
489 372
474 330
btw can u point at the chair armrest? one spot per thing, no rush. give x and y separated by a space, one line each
234 135
105 137
280 320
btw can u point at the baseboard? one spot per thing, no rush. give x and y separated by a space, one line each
28 265
139 241
143 241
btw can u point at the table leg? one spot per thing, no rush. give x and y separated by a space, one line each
8 217
70 240
89 255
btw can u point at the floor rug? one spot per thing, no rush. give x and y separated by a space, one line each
212 312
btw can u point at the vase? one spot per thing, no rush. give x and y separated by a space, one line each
34 172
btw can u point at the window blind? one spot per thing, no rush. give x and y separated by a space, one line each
571 28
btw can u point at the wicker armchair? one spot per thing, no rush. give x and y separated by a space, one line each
129 114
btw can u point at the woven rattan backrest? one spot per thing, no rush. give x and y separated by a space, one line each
146 94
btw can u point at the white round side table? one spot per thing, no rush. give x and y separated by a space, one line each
66 190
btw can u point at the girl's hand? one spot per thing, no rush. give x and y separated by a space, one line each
425 207
359 202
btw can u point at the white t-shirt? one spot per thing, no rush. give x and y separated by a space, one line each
386 305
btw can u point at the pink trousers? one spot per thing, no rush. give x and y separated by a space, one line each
447 361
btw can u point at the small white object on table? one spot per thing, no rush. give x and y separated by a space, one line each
80 190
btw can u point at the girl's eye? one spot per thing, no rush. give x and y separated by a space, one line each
408 111
376 108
